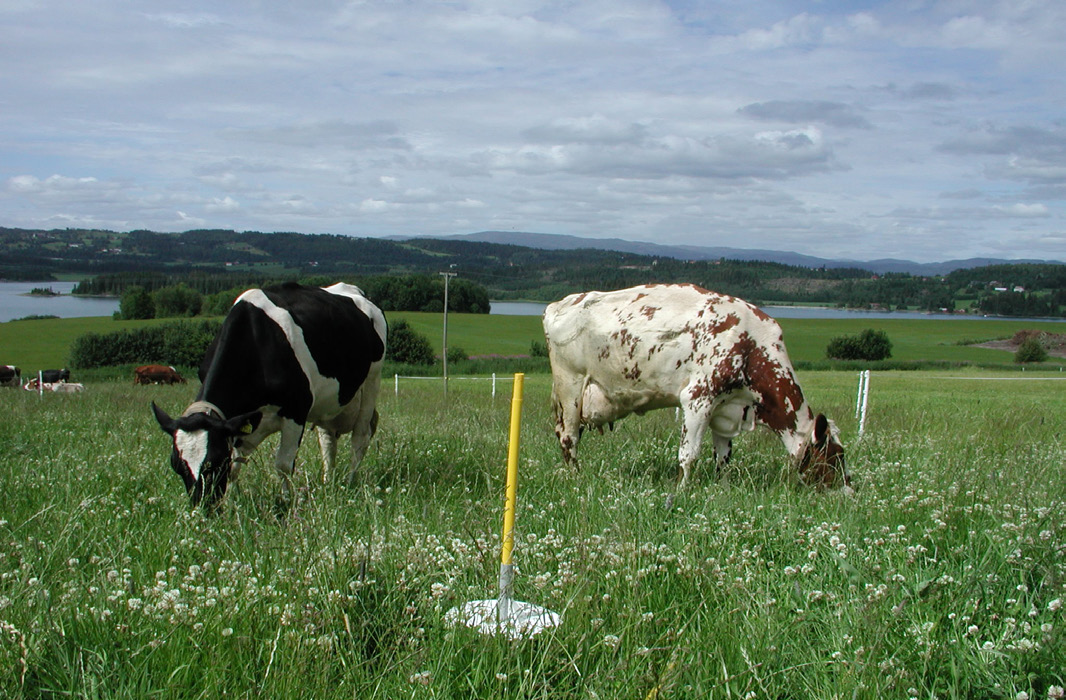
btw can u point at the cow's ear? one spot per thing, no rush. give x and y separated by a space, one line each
167 423
821 429
244 424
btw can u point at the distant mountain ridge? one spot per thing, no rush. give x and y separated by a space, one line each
552 241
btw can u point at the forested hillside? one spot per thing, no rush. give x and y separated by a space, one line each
214 261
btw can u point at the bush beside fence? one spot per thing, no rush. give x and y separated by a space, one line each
182 343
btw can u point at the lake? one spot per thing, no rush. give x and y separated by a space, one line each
15 301
529 308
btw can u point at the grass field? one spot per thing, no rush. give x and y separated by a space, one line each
45 344
944 576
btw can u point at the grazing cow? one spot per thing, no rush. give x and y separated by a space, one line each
10 375
56 387
65 387
722 360
285 356
54 376
157 374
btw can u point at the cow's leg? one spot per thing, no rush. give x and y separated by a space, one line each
694 425
327 441
567 410
723 448
285 461
363 431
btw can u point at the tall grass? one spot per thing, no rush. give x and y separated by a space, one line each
943 576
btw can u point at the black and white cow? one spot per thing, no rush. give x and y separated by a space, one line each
718 358
285 356
10 375
54 376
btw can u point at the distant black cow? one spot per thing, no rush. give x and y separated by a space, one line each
284 357
157 374
10 375
53 376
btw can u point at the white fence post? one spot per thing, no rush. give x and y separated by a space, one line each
864 384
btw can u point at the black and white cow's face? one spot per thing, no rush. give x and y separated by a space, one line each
203 450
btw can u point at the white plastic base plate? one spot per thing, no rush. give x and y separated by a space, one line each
524 620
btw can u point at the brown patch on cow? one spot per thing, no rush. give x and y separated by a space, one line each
760 314
649 311
626 340
702 390
775 383
725 323
580 298
631 373
605 352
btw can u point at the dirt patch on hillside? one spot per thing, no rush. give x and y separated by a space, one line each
1054 343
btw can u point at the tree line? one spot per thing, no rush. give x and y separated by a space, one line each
213 261
157 296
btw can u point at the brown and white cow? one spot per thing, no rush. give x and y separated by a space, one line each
720 359
157 374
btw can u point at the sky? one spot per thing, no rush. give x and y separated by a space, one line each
924 130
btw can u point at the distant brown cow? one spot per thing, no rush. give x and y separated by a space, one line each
157 374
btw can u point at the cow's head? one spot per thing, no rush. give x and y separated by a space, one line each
203 449
821 463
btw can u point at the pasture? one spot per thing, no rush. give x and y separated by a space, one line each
944 576
44 344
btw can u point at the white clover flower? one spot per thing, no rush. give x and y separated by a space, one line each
612 641
1022 695
226 632
1055 692
1055 605
501 676
421 678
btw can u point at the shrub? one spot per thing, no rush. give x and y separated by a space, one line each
870 345
408 346
136 303
181 343
219 304
457 354
178 300
1030 351
538 348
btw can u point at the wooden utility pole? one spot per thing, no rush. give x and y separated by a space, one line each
444 350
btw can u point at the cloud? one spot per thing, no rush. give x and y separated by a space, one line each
334 133
768 154
1022 211
831 129
225 205
806 112
595 129
1036 155
53 185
